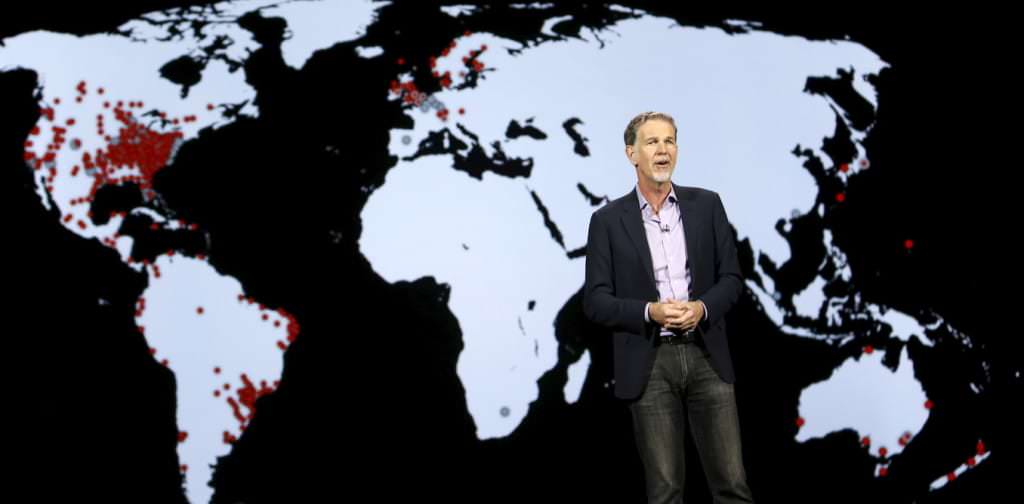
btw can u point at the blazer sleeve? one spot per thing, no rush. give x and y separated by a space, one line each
600 304
728 280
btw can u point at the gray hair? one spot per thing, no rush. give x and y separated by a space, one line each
636 122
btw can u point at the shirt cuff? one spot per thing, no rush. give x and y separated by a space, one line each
705 309
647 312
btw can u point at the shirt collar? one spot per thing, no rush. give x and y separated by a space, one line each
643 201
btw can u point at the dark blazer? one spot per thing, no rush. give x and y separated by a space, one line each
620 281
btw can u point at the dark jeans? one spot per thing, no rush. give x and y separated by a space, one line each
684 389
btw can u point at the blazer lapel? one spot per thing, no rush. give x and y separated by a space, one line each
633 221
691 228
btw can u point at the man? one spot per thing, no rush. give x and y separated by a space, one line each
662 273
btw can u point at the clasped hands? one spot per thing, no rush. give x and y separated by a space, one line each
675 314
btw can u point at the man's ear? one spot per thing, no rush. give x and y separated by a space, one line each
630 154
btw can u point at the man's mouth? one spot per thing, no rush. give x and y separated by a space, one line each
661 164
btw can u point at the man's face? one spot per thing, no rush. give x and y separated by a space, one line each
654 153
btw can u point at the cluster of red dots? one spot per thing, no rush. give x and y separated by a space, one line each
134 146
408 91
472 61
293 327
245 397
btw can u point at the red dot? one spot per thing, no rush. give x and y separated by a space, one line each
400 61
865 441
980 447
71 121
199 310
227 386
209 106
216 370
281 345
78 99
844 167
56 101
882 451
241 297
951 476
216 393
971 462
883 471
909 244
800 421
928 404
164 362
462 111
100 90
184 467
265 316
841 197
869 349
182 436
277 323
34 131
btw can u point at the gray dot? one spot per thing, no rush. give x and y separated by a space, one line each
406 139
505 411
794 214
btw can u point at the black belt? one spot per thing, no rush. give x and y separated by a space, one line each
678 338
